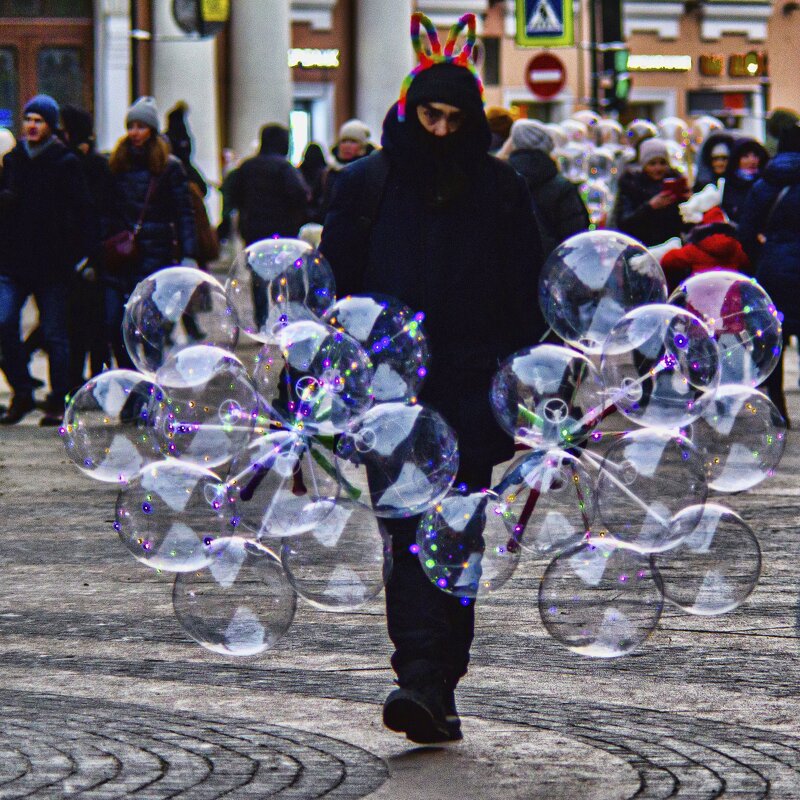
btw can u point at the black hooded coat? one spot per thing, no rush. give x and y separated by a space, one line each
269 193
704 174
736 187
454 236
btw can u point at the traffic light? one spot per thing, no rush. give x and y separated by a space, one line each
613 79
201 17
617 98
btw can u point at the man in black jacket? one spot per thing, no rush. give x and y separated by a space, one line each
46 228
454 237
271 197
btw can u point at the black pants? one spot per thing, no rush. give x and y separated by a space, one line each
431 630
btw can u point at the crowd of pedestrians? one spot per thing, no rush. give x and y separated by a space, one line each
457 198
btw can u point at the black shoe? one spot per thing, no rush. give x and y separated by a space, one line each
20 408
51 420
418 714
451 718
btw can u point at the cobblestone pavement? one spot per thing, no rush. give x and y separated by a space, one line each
104 696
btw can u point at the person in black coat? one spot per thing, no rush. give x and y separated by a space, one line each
151 196
646 209
46 229
453 236
712 160
312 168
557 205
769 230
747 162
271 197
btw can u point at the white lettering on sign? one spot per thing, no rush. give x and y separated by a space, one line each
310 58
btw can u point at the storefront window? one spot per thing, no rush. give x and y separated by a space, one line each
9 88
46 8
60 74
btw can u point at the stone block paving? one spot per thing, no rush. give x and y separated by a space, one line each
102 695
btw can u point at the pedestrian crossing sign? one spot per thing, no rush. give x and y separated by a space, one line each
544 23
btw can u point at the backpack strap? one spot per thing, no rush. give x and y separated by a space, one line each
376 166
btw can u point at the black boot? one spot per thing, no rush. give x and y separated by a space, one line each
21 406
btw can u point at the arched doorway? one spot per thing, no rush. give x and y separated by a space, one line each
45 46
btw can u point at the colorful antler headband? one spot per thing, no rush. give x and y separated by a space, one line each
433 54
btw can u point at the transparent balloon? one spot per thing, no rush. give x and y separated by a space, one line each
547 396
277 281
393 337
638 130
599 200
677 157
210 406
283 485
674 129
169 514
108 428
600 601
603 166
741 436
588 117
398 459
660 365
717 565
317 380
466 544
573 161
590 281
645 478
702 128
241 604
343 562
609 131
552 497
175 308
557 134
742 318
575 130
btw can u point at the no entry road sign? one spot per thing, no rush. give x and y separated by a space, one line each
545 75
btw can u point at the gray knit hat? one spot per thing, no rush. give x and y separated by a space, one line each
653 148
530 134
144 110
354 130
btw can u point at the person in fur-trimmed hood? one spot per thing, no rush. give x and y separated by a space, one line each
710 245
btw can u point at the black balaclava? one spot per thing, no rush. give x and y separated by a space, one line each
441 165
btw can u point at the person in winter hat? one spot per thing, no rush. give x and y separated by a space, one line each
745 166
500 121
557 204
770 233
646 208
352 144
713 159
152 198
437 222
46 228
180 144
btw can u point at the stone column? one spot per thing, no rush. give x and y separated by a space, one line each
185 69
112 70
260 79
384 57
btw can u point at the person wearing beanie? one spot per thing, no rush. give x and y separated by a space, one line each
500 121
435 221
770 233
745 166
152 199
271 198
648 196
46 228
712 160
557 204
352 144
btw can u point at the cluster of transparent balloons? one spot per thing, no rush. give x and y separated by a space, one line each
591 151
261 475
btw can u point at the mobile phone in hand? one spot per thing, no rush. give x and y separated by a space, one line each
678 187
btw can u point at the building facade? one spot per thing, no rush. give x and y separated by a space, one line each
315 63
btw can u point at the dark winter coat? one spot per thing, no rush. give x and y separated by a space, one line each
100 183
636 217
46 220
557 204
331 176
704 174
713 246
777 260
167 234
737 187
269 193
460 245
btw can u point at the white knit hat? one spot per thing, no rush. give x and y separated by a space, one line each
530 134
354 130
653 148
